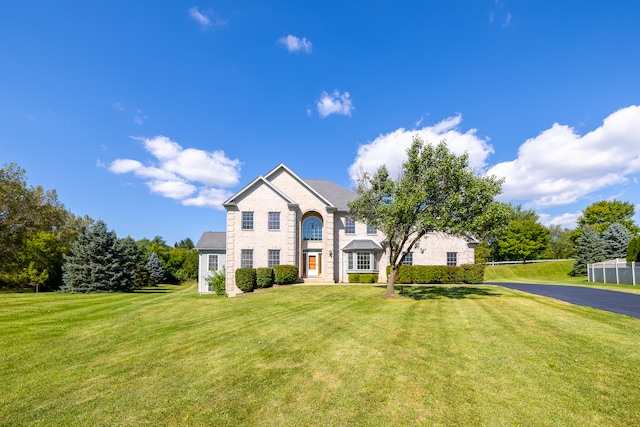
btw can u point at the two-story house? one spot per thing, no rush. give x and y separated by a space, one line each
280 218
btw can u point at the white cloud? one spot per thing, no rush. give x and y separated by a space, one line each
335 103
139 117
118 106
177 189
558 167
208 197
566 220
498 12
207 19
178 173
295 44
390 149
507 21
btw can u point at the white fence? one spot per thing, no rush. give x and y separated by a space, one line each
614 271
529 261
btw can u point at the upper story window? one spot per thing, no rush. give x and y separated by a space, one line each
371 230
452 258
312 229
247 220
274 220
349 226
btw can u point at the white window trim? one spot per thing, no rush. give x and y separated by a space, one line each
247 221
270 221
212 257
410 260
348 224
244 252
352 262
454 257
269 259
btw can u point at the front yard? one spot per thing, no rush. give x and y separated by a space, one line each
321 355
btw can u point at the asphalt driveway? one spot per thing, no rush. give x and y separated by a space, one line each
616 302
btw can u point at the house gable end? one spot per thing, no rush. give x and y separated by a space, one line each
281 169
249 188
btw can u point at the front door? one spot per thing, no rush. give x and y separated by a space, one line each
313 260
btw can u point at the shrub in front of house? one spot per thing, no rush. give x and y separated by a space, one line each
439 274
285 274
363 278
473 273
455 274
405 274
264 277
246 279
217 281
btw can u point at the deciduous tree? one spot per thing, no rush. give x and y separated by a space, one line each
436 191
524 240
560 244
24 212
604 213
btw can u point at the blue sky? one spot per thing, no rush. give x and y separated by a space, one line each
148 114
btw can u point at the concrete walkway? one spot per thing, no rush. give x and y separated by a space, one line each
616 302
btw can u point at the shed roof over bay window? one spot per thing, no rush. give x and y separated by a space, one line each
362 245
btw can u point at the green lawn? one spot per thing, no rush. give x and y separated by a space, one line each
315 355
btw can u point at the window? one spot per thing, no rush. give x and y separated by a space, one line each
312 229
274 220
349 226
246 259
371 230
362 260
213 262
452 258
274 257
247 220
408 259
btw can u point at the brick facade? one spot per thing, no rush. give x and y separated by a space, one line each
297 200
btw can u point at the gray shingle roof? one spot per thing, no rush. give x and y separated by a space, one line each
362 244
212 240
336 194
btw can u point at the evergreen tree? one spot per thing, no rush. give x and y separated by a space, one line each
633 249
134 260
97 263
616 240
185 243
155 268
589 249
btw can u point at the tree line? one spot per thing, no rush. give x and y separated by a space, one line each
605 230
47 247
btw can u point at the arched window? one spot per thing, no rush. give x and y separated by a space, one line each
312 229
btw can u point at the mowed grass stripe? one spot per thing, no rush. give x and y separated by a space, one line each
334 355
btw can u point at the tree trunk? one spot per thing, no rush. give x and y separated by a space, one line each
391 281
